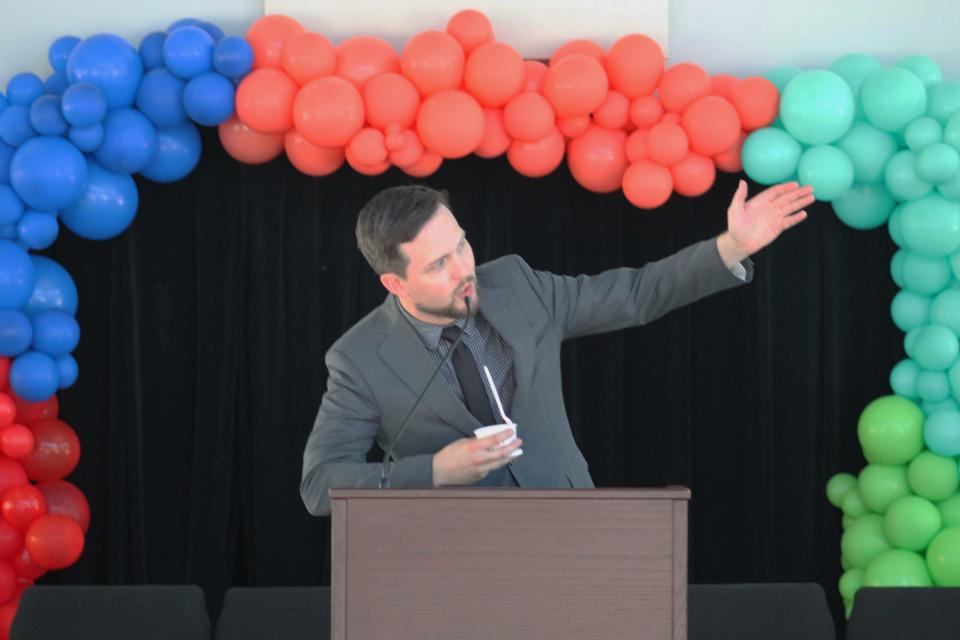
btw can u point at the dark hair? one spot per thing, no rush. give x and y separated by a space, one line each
394 216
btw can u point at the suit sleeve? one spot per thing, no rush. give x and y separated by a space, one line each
627 297
343 432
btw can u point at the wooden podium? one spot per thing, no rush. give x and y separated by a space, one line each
464 564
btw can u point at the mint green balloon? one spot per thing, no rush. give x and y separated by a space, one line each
838 486
893 227
924 275
892 98
850 583
930 408
852 505
903 378
828 170
863 540
951 189
897 568
901 178
943 558
955 264
951 131
944 101
950 511
945 310
934 347
854 68
817 107
933 477
770 155
910 310
881 484
938 163
781 76
931 225
933 386
922 133
924 68
869 149
953 375
864 206
890 430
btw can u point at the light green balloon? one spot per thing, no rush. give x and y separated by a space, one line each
892 98
931 225
881 484
944 101
849 583
864 206
921 133
933 477
938 163
924 68
903 378
932 386
950 511
951 131
897 568
943 558
770 155
852 505
890 430
924 275
869 149
827 169
846 521
817 107
901 178
838 486
911 522
910 310
863 540
893 226
934 347
930 408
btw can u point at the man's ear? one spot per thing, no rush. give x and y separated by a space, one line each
394 284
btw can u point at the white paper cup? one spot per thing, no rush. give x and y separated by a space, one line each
483 432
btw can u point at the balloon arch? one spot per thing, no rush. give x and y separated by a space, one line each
882 144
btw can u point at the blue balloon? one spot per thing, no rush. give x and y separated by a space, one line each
17 276
68 370
54 288
4 103
48 173
83 104
55 332
188 52
129 141
15 127
46 117
213 30
233 57
24 88
208 99
60 51
34 376
109 62
37 229
160 98
86 138
6 154
107 208
151 50
11 206
56 83
16 333
177 154
183 22
8 232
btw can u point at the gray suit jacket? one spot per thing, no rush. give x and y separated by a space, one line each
379 366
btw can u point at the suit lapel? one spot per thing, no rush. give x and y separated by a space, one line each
501 309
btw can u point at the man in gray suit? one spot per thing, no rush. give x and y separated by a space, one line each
515 323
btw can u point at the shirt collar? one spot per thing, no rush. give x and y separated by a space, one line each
430 333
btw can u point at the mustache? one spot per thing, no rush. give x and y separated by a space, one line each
469 280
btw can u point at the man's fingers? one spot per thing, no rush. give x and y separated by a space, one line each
776 190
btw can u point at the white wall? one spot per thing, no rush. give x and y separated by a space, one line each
733 36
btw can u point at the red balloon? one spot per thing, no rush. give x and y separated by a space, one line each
7 613
55 453
667 143
712 125
410 151
495 141
390 99
729 160
721 84
528 117
308 56
433 61
636 148
494 73
536 71
576 85
265 99
427 165
328 111
268 35
694 175
8 410
471 29
11 474
635 65
585 47
361 58
24 566
597 159
368 147
647 185
243 144
450 123
4 373
681 85
757 101
65 499
16 441
572 126
614 113
22 504
54 542
30 412
310 159
537 159
8 582
11 540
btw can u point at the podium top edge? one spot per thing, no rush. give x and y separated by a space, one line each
507 493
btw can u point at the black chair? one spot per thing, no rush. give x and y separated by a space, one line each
275 613
105 612
758 611
918 613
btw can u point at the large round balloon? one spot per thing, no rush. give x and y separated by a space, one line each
539 158
22 504
16 332
55 332
450 123
59 52
264 101
576 85
328 111
311 159
771 155
827 169
178 152
308 56
267 37
65 499
817 107
17 276
106 209
109 62
597 159
361 58
864 206
494 73
46 116
160 98
890 430
247 145
931 225
34 376
233 57
53 288
56 452
188 52
892 98
54 541
129 142
151 50
433 61
48 173
634 65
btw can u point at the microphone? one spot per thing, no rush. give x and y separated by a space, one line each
385 465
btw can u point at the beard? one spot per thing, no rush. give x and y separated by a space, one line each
455 308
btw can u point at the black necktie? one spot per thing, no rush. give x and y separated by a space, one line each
468 373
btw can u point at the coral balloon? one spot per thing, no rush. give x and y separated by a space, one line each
22 504
635 65
536 71
576 85
450 123
427 165
681 85
586 47
712 125
722 84
361 58
494 74
495 141
56 451
528 117
308 56
614 113
54 542
757 101
249 146
391 99
268 35
694 175
573 126
667 143
433 61
597 159
729 160
645 111
410 151
365 169
647 185
471 29
65 499
264 101
310 159
537 159
328 111
368 147
636 147
16 441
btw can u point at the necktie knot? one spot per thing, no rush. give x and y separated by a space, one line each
451 333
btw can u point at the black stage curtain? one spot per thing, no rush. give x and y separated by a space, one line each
201 368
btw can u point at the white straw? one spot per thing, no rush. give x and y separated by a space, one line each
496 396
